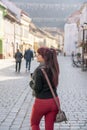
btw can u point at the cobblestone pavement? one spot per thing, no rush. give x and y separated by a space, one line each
16 99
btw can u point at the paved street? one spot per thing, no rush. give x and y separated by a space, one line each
16 96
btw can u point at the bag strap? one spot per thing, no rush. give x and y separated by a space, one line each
51 89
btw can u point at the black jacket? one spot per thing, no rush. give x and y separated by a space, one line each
40 86
28 55
18 56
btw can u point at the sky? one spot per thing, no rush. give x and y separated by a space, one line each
49 13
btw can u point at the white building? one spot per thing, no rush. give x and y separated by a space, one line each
25 22
8 20
71 33
12 28
71 37
15 31
83 18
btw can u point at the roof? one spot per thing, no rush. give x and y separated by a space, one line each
74 17
12 7
2 4
84 5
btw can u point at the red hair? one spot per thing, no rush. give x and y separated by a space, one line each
51 61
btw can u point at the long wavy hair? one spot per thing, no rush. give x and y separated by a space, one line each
50 58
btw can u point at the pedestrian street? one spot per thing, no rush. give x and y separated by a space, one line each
16 96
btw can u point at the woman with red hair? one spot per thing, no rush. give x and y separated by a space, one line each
44 104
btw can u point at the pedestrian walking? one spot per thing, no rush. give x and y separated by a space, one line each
28 55
44 104
18 58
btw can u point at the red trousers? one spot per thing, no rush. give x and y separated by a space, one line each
46 108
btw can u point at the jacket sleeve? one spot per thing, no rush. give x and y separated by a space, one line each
38 81
31 54
21 56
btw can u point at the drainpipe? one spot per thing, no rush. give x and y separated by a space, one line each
14 42
83 49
